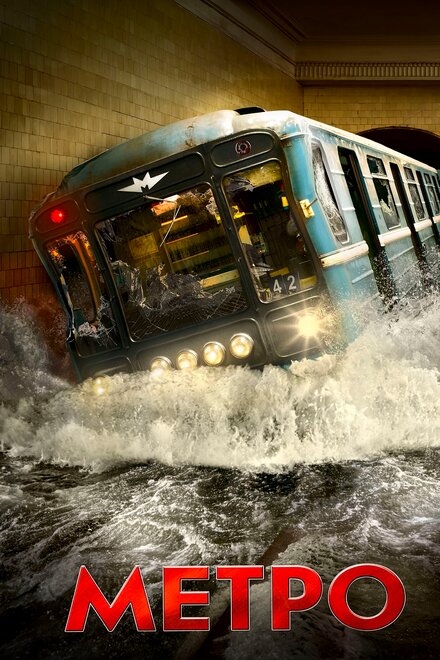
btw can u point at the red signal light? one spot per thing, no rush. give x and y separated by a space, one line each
57 215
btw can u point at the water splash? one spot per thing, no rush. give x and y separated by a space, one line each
25 358
381 394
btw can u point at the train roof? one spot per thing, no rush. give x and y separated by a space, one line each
188 133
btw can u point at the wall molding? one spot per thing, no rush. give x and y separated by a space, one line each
361 71
276 41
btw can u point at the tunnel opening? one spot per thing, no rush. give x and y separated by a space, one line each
418 143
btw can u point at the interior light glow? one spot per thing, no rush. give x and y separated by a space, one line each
57 215
214 353
241 345
170 222
186 360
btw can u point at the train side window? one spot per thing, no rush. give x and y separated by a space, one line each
432 194
383 191
327 198
66 260
85 292
376 166
436 190
275 250
414 192
436 182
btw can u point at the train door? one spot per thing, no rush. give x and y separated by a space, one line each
418 245
367 222
84 293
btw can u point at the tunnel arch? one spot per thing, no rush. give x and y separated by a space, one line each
415 142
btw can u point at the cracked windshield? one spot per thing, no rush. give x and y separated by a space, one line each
172 263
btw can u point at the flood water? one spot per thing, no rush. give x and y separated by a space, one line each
207 468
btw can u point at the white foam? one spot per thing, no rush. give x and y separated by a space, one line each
381 394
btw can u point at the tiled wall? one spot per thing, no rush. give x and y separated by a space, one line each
79 76
357 108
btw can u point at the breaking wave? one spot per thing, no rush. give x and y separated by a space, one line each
382 394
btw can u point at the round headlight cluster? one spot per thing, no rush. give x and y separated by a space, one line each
214 353
241 346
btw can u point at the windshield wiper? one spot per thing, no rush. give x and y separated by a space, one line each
176 211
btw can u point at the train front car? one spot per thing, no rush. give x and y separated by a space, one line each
196 244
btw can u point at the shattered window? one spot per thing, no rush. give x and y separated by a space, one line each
275 251
383 191
386 202
432 194
85 293
415 194
376 165
327 198
172 263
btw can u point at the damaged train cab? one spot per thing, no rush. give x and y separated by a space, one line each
232 238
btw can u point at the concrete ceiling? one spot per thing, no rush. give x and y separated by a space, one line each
288 32
345 19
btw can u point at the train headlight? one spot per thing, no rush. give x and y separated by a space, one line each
100 386
186 359
159 365
214 353
241 345
309 326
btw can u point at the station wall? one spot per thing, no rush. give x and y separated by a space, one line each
357 108
79 77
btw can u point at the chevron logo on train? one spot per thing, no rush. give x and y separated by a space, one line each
148 181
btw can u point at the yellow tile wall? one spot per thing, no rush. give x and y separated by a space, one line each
79 77
357 108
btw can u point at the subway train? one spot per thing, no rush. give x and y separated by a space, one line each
239 237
